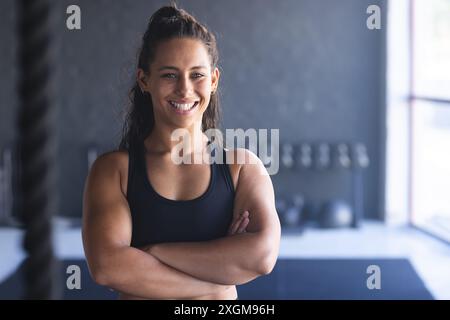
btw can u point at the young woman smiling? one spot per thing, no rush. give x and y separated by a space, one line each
153 229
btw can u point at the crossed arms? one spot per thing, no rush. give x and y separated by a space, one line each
178 270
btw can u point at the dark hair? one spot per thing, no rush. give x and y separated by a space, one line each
166 23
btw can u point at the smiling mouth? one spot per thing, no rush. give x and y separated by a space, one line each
183 107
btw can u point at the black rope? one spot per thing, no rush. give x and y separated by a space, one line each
36 147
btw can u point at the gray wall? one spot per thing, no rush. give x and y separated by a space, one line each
310 68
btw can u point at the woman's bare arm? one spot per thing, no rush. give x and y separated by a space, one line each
107 236
244 256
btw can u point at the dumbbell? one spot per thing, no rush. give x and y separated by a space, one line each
343 155
323 158
305 157
360 161
287 155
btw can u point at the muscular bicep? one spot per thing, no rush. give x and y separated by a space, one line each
255 193
106 215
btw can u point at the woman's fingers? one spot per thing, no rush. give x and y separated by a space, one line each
243 225
237 224
243 222
234 225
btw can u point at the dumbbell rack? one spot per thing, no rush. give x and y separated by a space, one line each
319 157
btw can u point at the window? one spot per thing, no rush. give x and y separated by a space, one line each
430 116
418 115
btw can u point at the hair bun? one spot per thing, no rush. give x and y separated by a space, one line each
168 14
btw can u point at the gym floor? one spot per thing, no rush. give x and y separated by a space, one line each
429 257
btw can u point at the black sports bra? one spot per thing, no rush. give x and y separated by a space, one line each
156 219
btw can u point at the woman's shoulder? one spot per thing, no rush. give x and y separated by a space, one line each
237 159
241 157
113 159
111 162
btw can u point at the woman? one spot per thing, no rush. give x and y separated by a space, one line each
154 229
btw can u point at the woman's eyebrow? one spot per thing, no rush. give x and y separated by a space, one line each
176 69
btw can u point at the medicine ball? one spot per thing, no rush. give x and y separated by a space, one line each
336 214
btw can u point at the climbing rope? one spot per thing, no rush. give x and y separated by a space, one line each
36 147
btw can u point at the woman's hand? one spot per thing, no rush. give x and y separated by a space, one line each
239 224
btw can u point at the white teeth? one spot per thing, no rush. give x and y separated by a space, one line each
183 106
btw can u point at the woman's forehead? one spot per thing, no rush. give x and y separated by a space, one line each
182 53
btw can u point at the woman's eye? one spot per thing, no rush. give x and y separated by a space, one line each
174 76
197 75
169 75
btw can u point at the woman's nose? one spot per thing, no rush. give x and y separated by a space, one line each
184 86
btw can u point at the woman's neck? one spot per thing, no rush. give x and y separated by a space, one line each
163 140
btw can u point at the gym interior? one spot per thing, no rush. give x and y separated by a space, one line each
359 91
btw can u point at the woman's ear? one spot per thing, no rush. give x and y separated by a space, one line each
215 75
142 79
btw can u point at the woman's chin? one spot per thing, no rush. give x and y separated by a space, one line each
185 122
